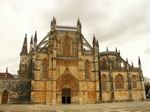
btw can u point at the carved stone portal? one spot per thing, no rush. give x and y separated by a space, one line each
67 88
67 80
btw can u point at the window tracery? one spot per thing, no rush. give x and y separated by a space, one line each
67 46
104 82
104 65
119 82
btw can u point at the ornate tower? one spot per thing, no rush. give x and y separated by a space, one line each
23 68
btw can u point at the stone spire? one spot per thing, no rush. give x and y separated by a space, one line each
24 47
31 41
54 20
139 62
94 40
53 24
132 65
79 23
6 74
35 37
97 43
127 64
107 48
127 60
31 44
35 41
7 70
79 26
116 49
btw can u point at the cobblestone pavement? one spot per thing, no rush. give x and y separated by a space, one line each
103 107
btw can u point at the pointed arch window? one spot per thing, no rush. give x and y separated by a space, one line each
103 79
74 49
119 82
133 78
67 46
104 65
5 97
44 68
87 69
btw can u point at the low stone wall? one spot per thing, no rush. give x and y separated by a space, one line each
18 90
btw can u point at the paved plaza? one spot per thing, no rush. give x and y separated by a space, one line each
103 107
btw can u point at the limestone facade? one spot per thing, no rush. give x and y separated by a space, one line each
65 68
14 91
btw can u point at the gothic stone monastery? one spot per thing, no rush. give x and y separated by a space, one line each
64 68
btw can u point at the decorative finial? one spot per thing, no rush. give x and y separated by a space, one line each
132 65
6 70
127 64
139 62
107 48
53 24
79 25
35 36
119 52
54 20
31 41
24 47
94 40
127 60
26 35
116 49
78 22
31 44
97 43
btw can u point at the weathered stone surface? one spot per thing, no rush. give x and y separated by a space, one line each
65 68
18 90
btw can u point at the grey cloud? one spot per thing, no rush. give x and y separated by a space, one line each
147 51
107 19
130 20
100 18
71 11
116 21
8 60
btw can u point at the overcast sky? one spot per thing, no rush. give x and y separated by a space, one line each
124 24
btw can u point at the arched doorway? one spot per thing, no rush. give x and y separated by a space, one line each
66 96
4 97
67 88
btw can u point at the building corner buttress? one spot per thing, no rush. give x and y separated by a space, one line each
141 79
